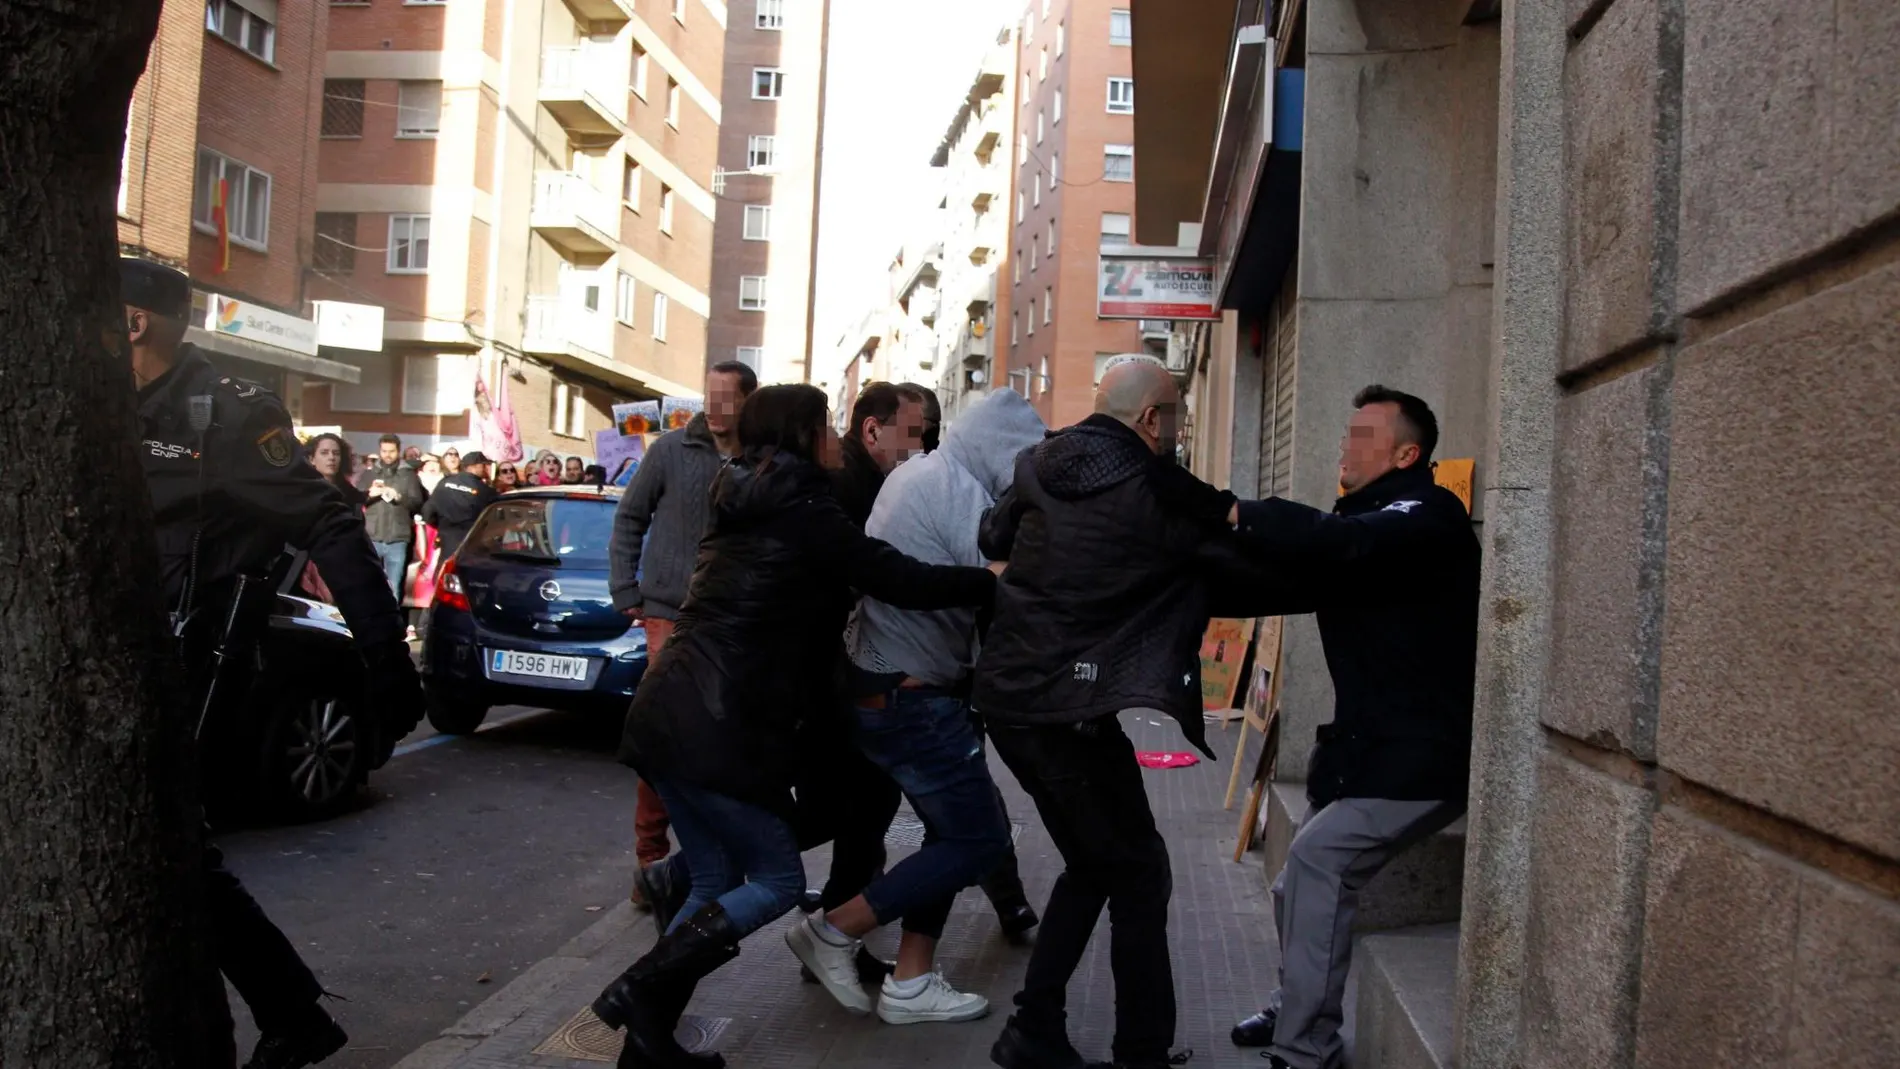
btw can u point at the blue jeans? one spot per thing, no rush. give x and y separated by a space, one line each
924 740
741 856
395 558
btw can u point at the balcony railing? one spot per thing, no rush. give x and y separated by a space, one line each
561 324
573 215
585 87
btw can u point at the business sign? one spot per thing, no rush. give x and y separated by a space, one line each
254 322
343 325
1135 287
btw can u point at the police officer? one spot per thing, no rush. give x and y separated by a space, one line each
230 488
457 501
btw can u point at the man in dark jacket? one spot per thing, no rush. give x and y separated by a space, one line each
395 497
457 501
1395 571
657 528
1100 611
887 428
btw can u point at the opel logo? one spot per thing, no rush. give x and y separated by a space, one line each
550 590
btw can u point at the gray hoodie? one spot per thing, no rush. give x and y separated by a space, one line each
929 508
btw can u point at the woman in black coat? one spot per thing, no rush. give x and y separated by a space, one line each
714 725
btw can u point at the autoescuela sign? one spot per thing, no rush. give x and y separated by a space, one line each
1139 287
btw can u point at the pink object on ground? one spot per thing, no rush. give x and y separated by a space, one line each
1155 759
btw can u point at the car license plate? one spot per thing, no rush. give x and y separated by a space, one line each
545 666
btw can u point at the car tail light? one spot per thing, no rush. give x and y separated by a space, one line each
448 588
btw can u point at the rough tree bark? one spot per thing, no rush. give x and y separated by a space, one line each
101 944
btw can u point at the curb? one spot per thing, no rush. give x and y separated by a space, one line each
523 993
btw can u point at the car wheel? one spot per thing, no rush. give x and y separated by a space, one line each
453 715
316 754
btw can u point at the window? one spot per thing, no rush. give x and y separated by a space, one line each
247 210
1121 27
758 222
1048 305
1045 8
637 77
1032 256
1025 93
1042 375
418 109
1121 96
1022 148
342 107
1035 191
1040 117
751 356
1062 37
630 179
623 298
1052 239
1042 65
1055 166
1015 327
679 11
752 293
1118 163
666 209
1032 317
335 250
659 317
1019 206
672 103
1057 109
1016 268
437 385
761 152
768 83
408 244
770 15
1114 228
242 27
568 414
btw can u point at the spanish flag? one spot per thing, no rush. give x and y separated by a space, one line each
220 215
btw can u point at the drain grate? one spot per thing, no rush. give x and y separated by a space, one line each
585 1038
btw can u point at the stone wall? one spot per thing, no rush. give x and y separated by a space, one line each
1713 868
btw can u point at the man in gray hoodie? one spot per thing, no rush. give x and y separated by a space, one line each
912 720
657 528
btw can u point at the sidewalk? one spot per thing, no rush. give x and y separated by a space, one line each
760 1016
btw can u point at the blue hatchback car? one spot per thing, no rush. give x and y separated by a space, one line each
522 614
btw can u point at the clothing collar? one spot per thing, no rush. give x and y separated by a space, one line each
859 460
183 370
697 433
1387 488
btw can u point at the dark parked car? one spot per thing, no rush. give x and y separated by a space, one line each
522 615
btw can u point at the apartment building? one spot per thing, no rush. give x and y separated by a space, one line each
525 190
218 130
766 181
1074 195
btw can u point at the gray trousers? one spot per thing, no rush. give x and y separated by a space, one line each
1336 852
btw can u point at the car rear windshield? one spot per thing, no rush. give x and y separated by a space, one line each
566 532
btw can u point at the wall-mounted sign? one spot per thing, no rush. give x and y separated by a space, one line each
350 326
254 322
1138 287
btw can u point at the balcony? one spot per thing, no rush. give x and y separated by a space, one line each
614 13
585 88
574 217
559 326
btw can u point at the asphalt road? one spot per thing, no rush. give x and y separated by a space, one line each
469 859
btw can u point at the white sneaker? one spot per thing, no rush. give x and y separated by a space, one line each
938 1001
836 967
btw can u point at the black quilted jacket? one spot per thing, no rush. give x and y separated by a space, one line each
1105 599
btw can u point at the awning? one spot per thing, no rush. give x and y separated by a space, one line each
231 345
1181 51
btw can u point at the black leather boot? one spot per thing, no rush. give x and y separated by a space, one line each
649 997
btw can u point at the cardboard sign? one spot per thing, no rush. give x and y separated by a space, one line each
1223 648
1455 475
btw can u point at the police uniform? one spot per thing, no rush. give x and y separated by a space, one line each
457 502
230 487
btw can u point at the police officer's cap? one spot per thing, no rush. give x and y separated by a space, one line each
154 287
474 458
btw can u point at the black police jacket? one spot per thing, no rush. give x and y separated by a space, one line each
236 487
1394 571
752 659
1112 554
457 501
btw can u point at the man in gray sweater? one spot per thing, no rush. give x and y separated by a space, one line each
657 528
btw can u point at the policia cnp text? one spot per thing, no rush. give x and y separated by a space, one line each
230 488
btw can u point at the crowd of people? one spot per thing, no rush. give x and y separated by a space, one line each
839 622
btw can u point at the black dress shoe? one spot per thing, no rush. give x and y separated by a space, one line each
308 1045
1016 922
1274 1061
1256 1031
1019 1049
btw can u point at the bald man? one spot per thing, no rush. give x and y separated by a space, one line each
1100 612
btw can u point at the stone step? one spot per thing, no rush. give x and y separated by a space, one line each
1407 985
1424 885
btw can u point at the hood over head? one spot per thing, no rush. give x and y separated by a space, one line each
1090 457
989 436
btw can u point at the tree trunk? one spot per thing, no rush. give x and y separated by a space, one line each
101 939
